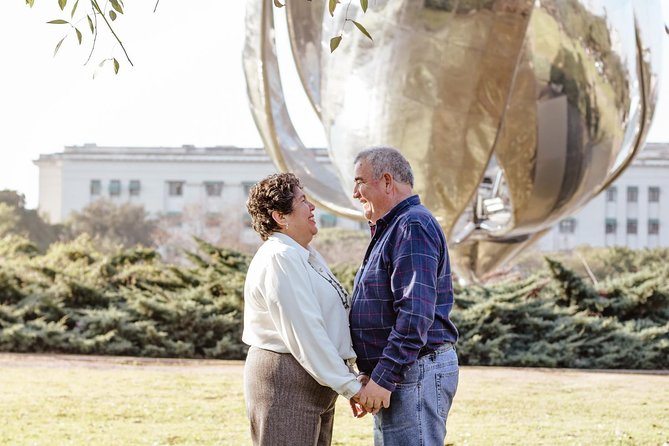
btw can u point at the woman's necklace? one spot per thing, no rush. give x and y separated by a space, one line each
341 292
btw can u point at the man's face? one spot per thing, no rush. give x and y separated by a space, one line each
370 192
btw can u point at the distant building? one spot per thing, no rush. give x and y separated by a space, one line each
633 211
167 181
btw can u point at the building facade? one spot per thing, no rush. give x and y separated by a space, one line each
632 212
213 182
168 181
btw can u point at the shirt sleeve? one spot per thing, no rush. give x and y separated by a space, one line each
299 320
413 282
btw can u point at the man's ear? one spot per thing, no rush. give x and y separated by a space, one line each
279 218
388 181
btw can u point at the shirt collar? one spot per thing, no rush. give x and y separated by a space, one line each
399 207
284 239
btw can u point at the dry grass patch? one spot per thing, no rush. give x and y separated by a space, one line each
79 400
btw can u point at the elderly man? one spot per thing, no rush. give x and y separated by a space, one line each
402 298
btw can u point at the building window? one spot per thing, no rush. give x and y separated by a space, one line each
567 226
213 188
653 194
611 194
134 187
328 221
631 226
632 194
175 188
114 188
611 226
653 226
96 187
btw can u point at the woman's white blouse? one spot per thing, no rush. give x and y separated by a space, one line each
290 308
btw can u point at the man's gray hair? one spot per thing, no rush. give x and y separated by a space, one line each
387 159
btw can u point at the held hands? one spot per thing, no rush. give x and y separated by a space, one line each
357 408
370 399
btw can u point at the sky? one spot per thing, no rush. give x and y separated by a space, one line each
186 87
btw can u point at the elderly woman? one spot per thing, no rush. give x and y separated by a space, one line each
296 322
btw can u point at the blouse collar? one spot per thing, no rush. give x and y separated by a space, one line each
284 239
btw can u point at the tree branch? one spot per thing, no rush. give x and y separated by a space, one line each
97 7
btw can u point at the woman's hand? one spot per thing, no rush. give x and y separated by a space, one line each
358 409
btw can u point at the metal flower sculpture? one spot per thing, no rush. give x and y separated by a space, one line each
513 113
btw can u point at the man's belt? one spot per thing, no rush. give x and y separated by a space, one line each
442 348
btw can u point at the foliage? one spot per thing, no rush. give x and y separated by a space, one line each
8 219
16 219
556 319
125 224
91 11
76 299
336 40
89 14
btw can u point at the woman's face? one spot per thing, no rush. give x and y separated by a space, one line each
301 223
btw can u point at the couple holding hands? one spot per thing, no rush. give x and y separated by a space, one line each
389 348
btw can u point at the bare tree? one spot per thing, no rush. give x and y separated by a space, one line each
175 233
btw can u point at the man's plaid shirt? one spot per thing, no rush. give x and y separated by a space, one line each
402 294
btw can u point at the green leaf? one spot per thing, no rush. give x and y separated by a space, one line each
278 4
115 4
58 46
112 15
90 24
79 36
363 4
74 8
116 66
62 4
331 6
58 22
334 43
30 3
362 29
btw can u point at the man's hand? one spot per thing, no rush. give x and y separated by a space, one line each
373 397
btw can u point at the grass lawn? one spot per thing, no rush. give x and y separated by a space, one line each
79 400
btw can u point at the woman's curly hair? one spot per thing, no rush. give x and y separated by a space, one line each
274 193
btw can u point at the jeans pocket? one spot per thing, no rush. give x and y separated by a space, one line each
447 385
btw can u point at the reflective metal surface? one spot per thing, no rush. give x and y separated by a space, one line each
513 113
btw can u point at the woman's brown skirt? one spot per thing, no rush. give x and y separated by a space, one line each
285 405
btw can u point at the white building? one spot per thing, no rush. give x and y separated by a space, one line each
165 180
633 211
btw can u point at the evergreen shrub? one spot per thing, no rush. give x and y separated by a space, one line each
76 299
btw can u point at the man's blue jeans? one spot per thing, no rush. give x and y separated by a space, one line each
419 405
